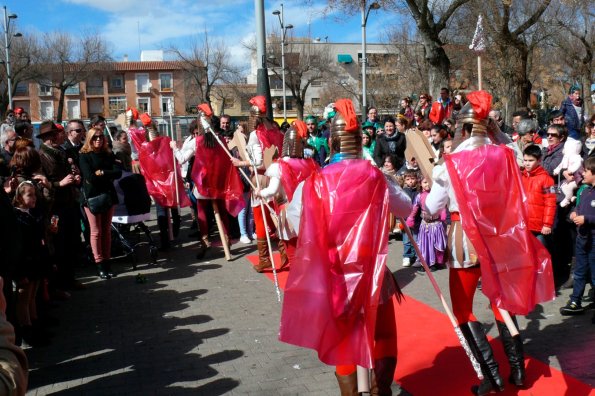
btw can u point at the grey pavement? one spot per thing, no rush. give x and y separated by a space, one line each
210 328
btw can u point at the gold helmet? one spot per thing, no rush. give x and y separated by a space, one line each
149 126
293 140
346 138
258 111
475 112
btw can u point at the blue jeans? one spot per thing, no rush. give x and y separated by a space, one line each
245 217
585 260
408 249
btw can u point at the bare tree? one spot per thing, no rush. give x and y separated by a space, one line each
577 39
64 60
432 19
305 63
515 31
206 63
22 52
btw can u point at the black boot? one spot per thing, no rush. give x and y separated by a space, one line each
163 233
478 342
101 271
570 281
513 346
107 264
176 220
382 376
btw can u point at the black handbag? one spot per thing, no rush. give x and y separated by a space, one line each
100 204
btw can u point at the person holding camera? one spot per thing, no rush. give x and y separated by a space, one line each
99 170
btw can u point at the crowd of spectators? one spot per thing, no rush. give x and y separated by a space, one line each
49 230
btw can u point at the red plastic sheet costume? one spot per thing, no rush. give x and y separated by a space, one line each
294 171
269 137
516 269
333 291
215 176
157 166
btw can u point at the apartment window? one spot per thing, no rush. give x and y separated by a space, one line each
46 110
73 108
229 102
22 89
166 82
117 105
45 89
116 82
165 100
315 102
276 82
72 90
143 105
95 86
142 83
316 83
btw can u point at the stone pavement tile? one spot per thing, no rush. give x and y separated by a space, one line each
211 328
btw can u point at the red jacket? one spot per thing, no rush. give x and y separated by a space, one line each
541 198
440 113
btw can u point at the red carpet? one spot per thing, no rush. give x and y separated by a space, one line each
432 362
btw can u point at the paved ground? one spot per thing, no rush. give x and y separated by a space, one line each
211 327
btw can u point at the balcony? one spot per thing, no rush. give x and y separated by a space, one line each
115 90
95 90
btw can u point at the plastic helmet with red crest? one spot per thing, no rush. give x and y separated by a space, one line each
346 138
293 140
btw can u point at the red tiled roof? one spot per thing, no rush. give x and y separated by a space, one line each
149 65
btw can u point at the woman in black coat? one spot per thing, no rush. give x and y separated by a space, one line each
98 170
392 142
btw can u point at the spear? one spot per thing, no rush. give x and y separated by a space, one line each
207 128
447 309
478 45
266 227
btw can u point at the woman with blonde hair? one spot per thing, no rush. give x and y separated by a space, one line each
98 170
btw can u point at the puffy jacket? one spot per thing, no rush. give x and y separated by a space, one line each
541 198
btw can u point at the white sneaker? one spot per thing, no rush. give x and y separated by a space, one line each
417 263
254 235
406 262
245 239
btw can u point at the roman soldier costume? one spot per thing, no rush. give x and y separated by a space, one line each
339 294
489 238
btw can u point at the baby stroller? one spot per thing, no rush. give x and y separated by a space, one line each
133 209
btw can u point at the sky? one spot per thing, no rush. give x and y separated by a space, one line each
158 24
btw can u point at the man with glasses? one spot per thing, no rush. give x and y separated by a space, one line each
75 130
65 206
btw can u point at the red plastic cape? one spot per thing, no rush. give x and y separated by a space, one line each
215 177
332 292
157 166
516 270
269 137
294 171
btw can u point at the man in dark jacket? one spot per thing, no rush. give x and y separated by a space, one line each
573 112
64 180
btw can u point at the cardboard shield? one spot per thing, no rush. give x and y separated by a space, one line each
418 147
239 141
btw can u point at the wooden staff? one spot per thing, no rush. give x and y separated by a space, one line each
266 228
447 309
221 229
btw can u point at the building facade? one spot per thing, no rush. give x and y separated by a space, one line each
149 86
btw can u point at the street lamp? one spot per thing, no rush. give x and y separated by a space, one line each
7 18
365 14
284 29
